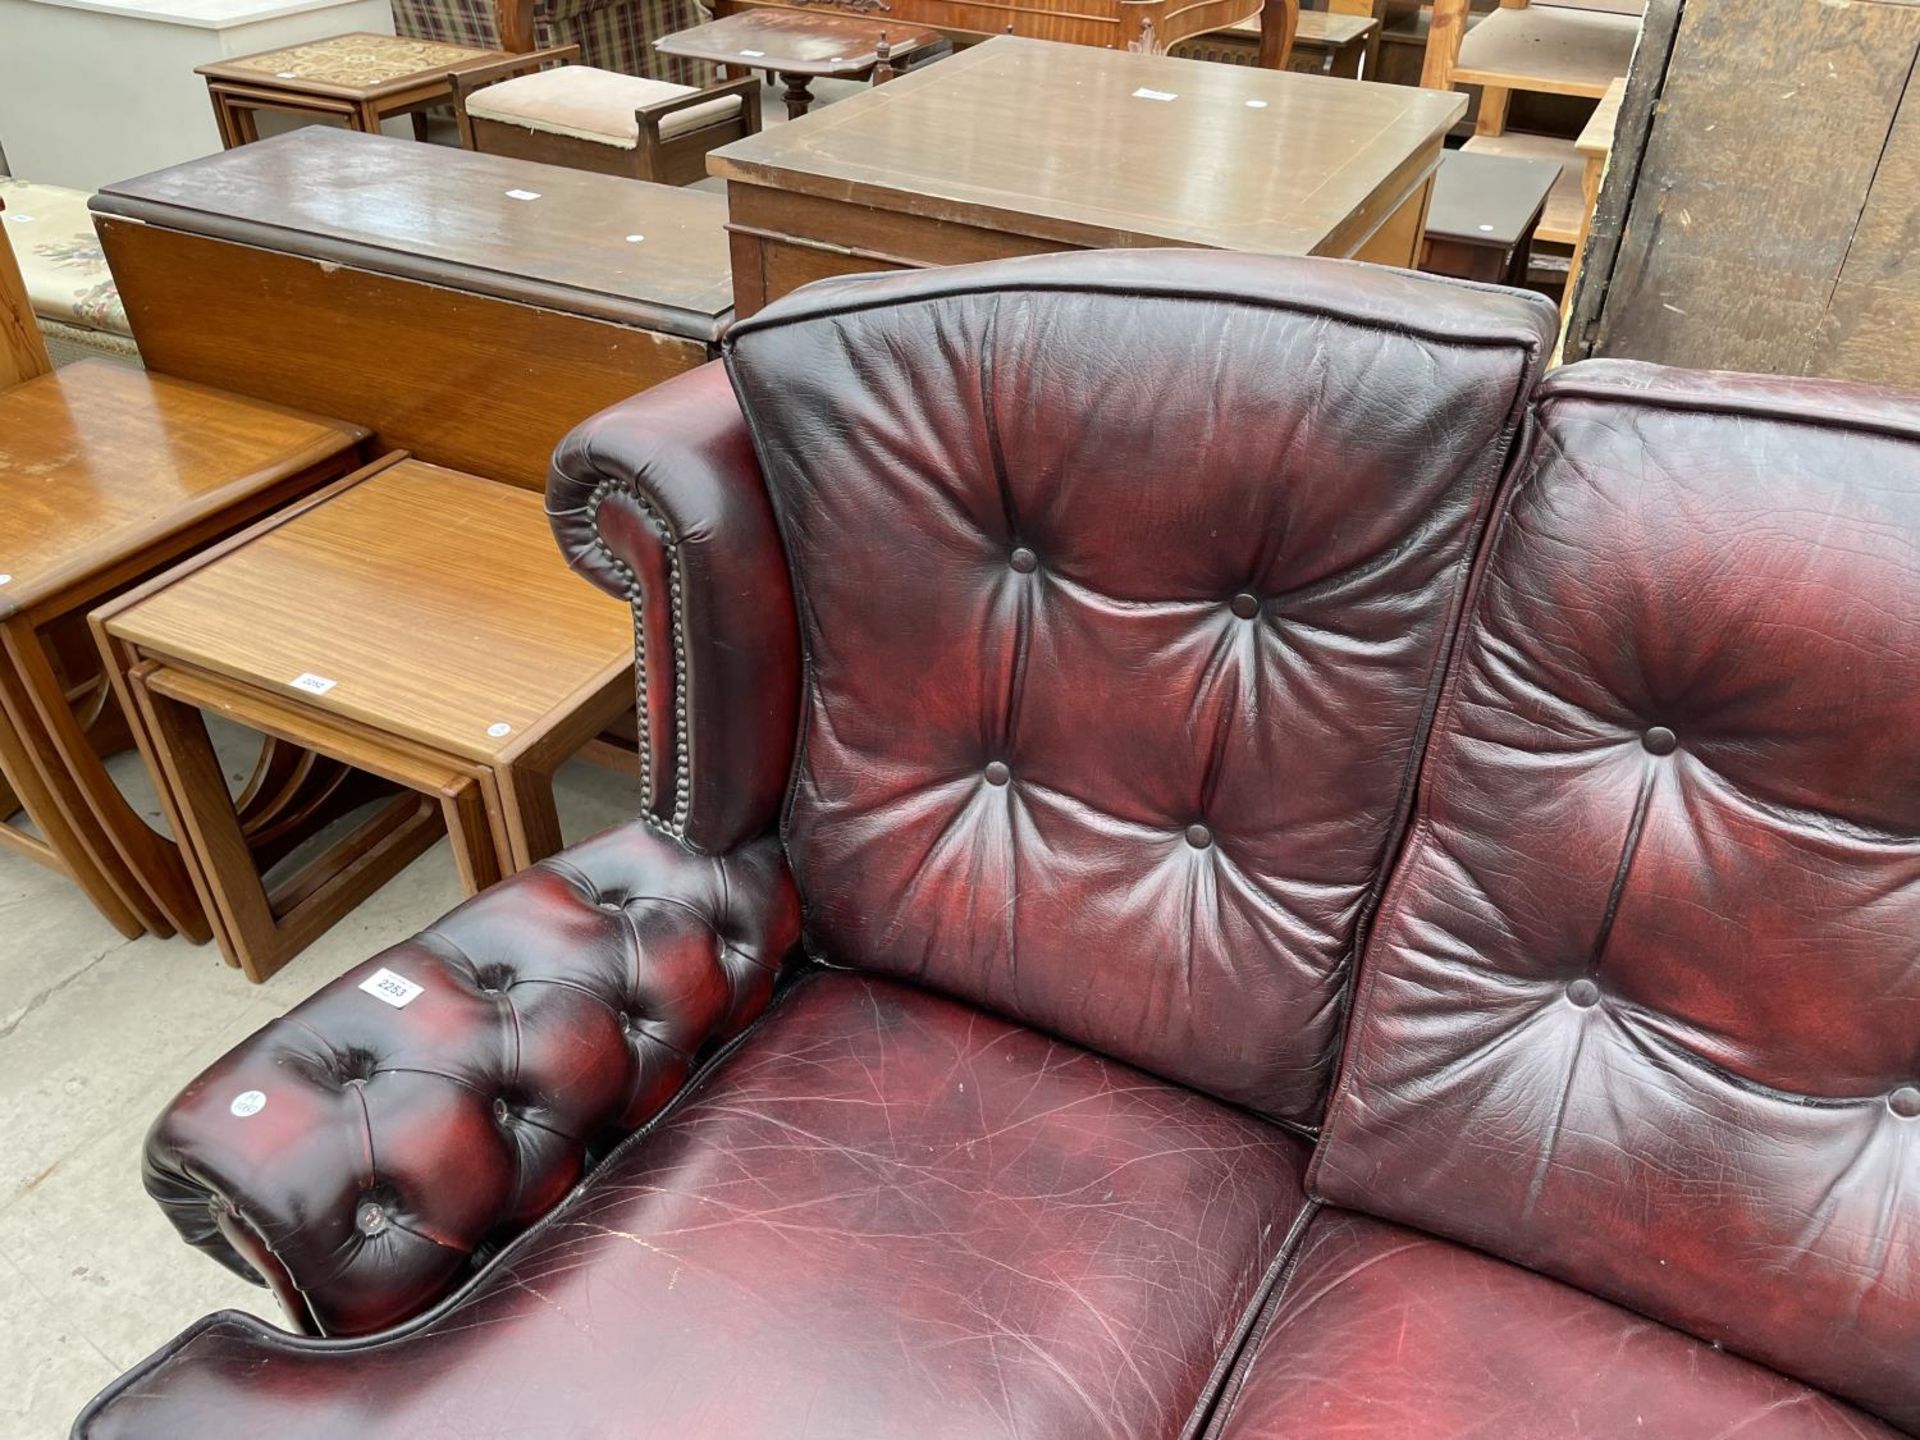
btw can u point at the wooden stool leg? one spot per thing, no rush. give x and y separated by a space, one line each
419 118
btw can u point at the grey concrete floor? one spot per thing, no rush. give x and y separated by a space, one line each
96 1033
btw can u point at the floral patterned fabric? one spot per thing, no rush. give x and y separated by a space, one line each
60 258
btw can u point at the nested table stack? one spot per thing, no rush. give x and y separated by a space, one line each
409 623
107 476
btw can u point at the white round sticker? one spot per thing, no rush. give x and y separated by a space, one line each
248 1102
499 728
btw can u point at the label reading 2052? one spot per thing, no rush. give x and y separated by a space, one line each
313 684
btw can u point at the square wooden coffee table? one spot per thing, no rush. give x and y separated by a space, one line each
360 80
414 623
109 474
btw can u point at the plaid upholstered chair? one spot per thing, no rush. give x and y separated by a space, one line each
611 34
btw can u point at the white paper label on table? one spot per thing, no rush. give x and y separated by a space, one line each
313 684
1143 93
396 990
523 194
248 1102
6 579
1256 104
755 54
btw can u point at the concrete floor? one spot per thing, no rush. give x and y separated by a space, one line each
96 1033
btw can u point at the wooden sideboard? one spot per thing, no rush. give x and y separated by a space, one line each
1017 147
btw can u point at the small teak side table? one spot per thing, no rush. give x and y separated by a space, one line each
359 79
414 623
801 47
107 475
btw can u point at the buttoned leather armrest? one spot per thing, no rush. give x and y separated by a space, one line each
360 1152
659 500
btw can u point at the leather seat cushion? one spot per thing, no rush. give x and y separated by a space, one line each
588 104
1383 1333
884 1215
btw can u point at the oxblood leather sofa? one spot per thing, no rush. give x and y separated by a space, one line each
1164 632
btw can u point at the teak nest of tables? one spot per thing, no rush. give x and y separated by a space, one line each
108 474
410 623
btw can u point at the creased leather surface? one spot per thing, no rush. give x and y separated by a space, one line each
1386 1334
1124 584
1642 1004
883 1217
563 1005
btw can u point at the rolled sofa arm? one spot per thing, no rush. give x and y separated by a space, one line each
359 1152
659 500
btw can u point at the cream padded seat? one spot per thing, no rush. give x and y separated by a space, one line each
589 104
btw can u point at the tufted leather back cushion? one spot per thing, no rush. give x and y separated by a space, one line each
1125 582
1642 1008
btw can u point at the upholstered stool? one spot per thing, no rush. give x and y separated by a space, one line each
69 286
591 119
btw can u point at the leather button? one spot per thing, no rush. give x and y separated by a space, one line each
1199 836
610 905
1024 560
1245 606
1583 993
369 1219
997 773
1660 741
1905 1102
501 1112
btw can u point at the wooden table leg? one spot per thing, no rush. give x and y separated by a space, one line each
1444 35
223 121
260 930
798 94
59 844
533 823
69 794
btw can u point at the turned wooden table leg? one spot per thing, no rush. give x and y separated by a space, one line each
798 95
